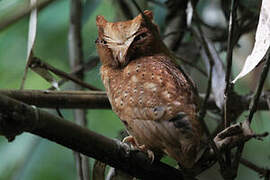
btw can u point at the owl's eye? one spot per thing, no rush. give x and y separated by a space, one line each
101 41
140 36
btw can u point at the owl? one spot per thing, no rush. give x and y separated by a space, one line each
155 100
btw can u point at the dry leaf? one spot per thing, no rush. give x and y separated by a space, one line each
115 174
47 76
262 41
99 170
218 76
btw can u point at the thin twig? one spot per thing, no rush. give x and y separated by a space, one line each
186 62
229 86
255 100
203 108
254 167
138 7
176 21
211 62
202 114
36 62
75 59
90 64
238 155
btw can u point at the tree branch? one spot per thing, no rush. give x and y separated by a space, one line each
76 60
90 64
99 100
61 99
36 62
17 117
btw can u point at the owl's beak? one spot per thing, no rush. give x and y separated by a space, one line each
122 57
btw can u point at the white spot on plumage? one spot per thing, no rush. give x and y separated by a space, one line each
151 86
117 101
125 94
158 112
169 109
166 94
134 79
176 103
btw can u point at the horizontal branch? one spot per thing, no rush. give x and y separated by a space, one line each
61 99
17 117
99 100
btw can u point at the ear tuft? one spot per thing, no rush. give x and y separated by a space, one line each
101 21
149 14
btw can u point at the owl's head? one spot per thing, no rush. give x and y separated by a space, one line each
118 43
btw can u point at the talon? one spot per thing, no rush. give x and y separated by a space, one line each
132 141
150 153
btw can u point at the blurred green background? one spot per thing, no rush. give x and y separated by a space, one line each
32 158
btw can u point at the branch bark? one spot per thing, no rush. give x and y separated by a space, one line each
61 99
99 100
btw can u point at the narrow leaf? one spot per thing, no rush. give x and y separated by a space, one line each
262 41
31 38
189 12
32 30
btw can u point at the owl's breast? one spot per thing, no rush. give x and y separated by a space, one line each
147 89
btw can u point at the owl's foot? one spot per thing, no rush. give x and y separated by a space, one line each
132 141
150 153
